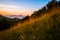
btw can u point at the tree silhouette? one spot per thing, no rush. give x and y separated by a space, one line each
51 4
25 19
46 9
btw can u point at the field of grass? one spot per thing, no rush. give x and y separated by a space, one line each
46 27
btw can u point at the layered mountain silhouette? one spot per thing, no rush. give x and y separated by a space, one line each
7 21
15 16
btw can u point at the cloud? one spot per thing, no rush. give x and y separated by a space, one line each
10 9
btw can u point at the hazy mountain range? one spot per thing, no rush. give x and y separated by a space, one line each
15 16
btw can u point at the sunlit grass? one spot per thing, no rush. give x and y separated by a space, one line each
42 28
46 27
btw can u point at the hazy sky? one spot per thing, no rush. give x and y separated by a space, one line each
21 7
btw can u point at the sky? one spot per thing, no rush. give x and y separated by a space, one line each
21 7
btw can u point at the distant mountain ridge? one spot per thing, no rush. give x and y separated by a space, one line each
15 16
7 21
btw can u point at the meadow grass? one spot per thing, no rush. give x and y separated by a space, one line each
46 27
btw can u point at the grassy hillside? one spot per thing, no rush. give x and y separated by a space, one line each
44 24
45 28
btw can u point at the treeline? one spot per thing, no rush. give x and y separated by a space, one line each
46 9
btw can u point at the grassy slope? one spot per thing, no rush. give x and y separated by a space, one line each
45 28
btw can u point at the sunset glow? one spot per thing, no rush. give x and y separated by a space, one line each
7 9
20 7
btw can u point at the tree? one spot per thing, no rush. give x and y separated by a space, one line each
51 4
25 19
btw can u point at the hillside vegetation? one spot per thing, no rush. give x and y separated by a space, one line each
42 25
45 28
